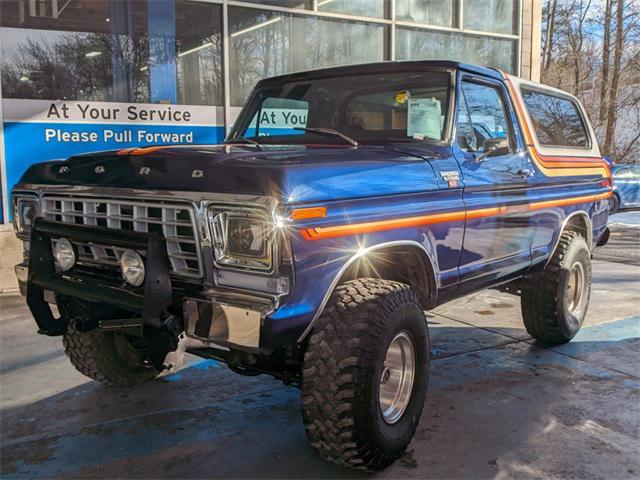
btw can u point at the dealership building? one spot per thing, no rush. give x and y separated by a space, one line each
86 75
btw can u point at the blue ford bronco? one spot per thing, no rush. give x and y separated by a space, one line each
343 204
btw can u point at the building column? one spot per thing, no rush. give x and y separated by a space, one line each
530 44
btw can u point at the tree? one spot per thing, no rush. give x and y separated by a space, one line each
592 49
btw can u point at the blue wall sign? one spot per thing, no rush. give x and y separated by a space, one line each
40 130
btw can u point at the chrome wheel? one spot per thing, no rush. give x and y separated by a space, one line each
396 378
576 287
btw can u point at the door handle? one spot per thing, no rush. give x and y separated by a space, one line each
525 173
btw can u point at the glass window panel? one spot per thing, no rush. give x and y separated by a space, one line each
362 8
484 116
498 16
557 121
368 107
308 4
414 44
70 54
432 12
264 44
107 51
199 53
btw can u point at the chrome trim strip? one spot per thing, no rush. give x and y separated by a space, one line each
127 193
354 258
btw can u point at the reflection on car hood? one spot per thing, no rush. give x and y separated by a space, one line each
299 173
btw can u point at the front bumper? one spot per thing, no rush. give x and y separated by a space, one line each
231 321
22 274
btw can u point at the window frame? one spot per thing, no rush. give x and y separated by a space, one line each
506 107
526 125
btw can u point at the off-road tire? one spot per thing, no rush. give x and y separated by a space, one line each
544 299
99 356
342 370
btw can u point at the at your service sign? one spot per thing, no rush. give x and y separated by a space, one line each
41 130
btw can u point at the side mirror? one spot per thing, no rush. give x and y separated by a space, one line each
494 147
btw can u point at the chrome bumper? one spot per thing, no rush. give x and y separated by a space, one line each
22 272
227 325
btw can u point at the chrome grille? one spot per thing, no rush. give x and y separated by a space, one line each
175 221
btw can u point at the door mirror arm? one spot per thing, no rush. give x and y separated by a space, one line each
493 147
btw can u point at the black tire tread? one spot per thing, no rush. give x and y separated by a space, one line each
343 338
93 355
539 298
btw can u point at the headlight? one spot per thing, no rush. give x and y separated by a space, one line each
132 268
24 214
242 239
64 255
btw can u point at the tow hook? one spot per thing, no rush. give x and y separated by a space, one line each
161 341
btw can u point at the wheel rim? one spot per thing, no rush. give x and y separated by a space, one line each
396 378
613 207
575 287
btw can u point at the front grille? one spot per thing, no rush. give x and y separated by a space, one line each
176 221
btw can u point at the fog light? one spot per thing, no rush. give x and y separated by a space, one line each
64 255
132 268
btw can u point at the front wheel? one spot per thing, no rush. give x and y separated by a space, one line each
614 204
554 301
111 358
365 374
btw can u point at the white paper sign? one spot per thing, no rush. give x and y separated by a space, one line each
423 119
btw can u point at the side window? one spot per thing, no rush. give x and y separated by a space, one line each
624 173
556 120
485 119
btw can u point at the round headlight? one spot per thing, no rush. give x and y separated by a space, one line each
64 255
132 268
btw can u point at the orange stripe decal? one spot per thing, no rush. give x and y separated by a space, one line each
319 233
142 150
306 213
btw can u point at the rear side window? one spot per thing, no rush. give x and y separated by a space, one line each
556 120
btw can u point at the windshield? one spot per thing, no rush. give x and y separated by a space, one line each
368 109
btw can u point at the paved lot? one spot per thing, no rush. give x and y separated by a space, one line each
499 405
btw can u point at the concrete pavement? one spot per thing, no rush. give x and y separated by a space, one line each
499 405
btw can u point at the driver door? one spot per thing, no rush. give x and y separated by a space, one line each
497 179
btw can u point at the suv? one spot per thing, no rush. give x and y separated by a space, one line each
343 204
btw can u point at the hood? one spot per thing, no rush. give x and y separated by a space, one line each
290 173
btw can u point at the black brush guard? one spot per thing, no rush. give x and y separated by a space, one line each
151 304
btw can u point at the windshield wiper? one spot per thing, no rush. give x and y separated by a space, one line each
329 131
241 140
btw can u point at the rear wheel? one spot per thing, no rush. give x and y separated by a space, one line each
554 301
111 358
365 374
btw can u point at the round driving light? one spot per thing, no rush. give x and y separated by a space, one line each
64 255
132 268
